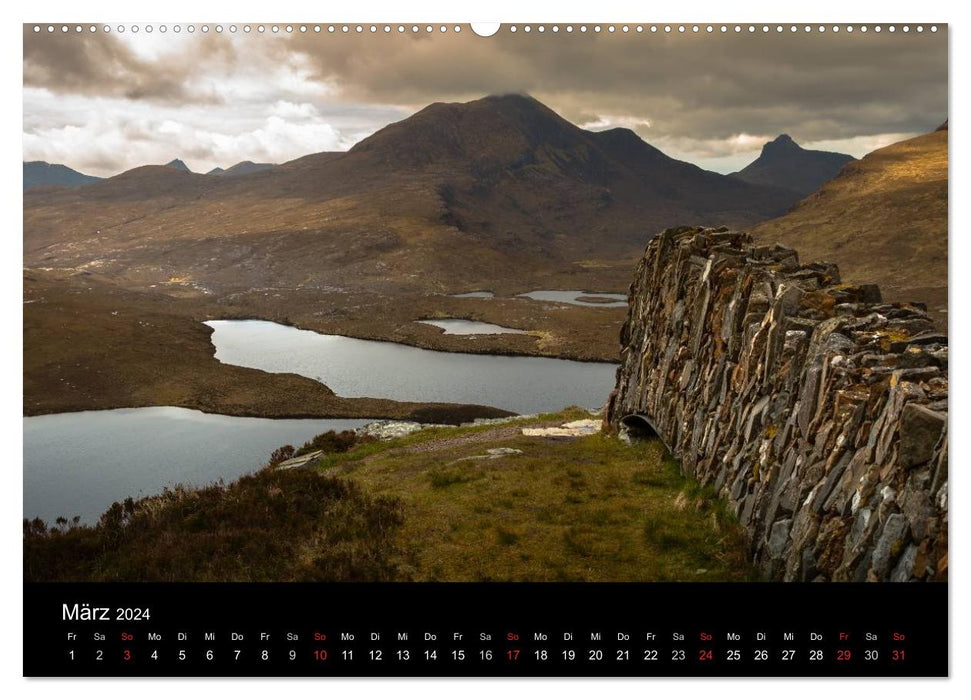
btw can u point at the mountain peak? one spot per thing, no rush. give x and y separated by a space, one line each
493 130
784 163
517 99
178 164
781 146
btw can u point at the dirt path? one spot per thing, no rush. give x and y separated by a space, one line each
498 434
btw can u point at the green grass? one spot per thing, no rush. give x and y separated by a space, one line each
416 508
591 508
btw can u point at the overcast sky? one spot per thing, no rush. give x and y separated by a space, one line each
102 103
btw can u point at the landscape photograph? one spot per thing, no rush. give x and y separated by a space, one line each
405 303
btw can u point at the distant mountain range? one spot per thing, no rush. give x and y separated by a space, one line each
501 188
37 173
882 219
242 168
783 163
481 188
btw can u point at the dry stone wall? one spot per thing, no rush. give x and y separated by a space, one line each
818 411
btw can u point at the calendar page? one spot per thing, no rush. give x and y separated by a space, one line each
522 349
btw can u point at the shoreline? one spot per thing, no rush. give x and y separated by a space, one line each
488 412
422 344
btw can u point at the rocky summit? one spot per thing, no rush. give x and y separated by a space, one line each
784 163
818 411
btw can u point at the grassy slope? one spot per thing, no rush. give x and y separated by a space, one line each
587 509
883 219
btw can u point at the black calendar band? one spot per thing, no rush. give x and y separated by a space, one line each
486 629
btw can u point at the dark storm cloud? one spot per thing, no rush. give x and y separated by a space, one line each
104 65
702 86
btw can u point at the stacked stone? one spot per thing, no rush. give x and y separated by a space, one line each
818 411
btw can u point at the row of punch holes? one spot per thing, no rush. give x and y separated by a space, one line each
541 29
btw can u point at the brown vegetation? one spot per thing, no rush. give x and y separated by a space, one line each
883 219
270 526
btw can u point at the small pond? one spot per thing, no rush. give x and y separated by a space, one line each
463 326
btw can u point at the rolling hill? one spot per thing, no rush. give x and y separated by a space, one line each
38 173
882 219
241 168
784 163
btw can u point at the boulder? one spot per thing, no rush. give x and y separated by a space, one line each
920 431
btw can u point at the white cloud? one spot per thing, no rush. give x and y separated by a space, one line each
612 121
104 136
292 110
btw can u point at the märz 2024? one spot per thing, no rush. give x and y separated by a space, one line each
84 612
